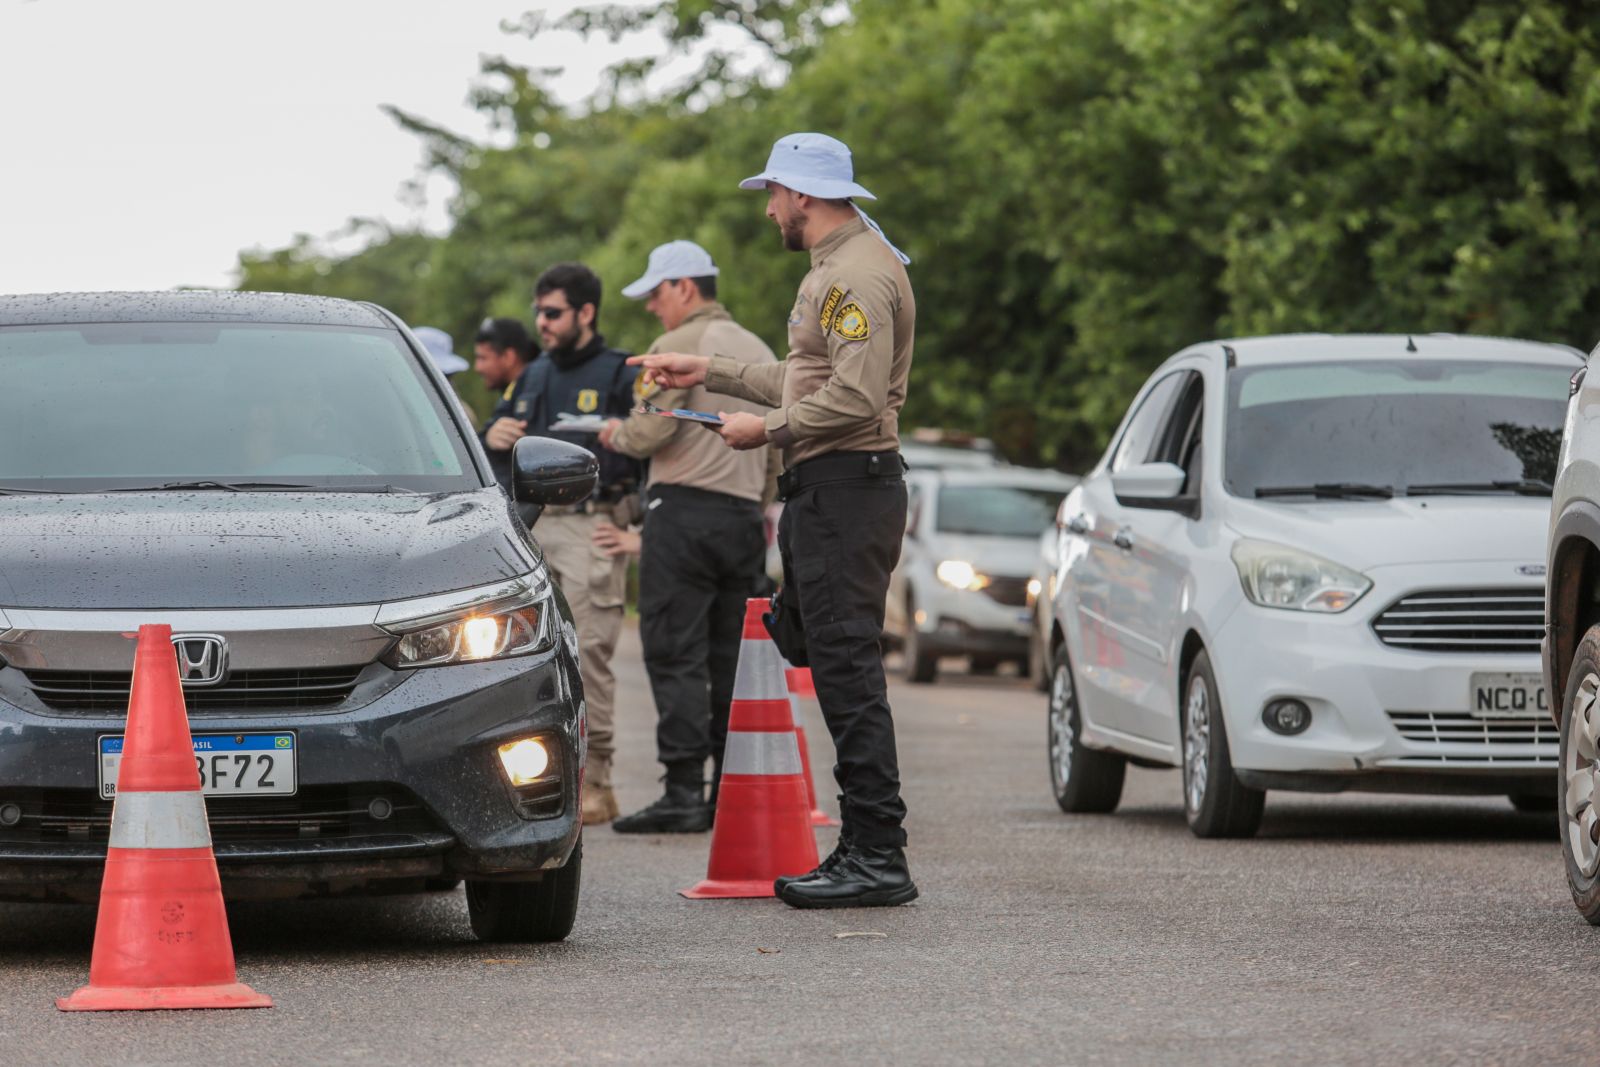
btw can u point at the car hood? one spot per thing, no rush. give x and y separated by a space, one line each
1002 556
1373 533
176 550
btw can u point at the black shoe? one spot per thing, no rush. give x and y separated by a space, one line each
822 868
866 877
681 810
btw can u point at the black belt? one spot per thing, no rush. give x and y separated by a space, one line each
839 467
691 494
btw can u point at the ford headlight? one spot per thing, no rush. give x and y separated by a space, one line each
1277 576
518 626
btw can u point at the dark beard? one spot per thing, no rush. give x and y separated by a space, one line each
794 233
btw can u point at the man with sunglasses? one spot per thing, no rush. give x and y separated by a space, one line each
577 374
835 413
704 545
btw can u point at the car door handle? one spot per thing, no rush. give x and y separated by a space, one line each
1078 524
1123 539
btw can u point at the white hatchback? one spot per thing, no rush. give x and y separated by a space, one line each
1313 563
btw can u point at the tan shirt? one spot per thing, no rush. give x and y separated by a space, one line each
850 338
686 453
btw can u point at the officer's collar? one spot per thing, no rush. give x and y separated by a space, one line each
711 309
825 247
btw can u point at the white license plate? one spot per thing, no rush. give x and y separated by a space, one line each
1508 695
230 764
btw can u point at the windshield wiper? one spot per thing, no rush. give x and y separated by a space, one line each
1330 490
1520 486
243 487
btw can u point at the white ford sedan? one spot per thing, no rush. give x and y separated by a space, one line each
1313 563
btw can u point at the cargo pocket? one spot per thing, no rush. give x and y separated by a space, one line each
608 579
856 664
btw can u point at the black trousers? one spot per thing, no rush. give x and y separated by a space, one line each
839 542
703 555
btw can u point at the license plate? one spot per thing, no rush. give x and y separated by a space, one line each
1508 696
230 764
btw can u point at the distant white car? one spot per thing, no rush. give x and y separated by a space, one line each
961 587
1314 563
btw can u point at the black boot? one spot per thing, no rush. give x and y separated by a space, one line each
866 877
822 868
681 810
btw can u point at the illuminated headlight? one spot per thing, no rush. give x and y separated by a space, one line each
1034 588
1277 576
959 574
493 632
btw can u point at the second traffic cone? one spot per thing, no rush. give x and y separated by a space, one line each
763 825
801 685
161 940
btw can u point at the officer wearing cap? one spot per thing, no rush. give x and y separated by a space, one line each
835 413
441 351
704 545
500 356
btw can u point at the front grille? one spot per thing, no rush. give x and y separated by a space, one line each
1012 592
1491 620
292 687
1457 727
314 813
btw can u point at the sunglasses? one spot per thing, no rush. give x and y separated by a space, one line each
549 313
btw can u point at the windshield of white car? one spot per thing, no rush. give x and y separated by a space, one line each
1371 429
996 510
249 408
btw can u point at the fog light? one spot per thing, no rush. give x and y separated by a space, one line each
524 760
1287 717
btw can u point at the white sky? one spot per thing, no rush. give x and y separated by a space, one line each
144 143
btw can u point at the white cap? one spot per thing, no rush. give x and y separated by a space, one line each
811 163
439 347
670 262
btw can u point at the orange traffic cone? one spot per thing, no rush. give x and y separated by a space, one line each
801 685
161 940
763 827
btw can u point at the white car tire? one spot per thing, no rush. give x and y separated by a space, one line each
1214 802
921 664
1580 776
1084 780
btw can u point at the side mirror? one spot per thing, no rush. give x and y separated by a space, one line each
546 471
1149 485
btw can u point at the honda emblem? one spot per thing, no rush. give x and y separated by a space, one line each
202 659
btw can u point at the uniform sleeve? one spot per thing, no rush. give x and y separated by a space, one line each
759 383
642 436
861 351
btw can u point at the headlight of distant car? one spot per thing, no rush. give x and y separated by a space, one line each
516 627
959 574
1277 576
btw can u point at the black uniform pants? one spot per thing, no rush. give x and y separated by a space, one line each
839 542
703 556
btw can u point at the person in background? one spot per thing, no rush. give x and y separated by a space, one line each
441 349
501 355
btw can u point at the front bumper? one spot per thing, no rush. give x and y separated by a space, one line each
423 740
958 622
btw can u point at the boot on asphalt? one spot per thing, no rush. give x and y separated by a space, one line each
599 804
682 809
826 866
866 877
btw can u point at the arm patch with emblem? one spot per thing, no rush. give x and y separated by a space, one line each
830 307
851 323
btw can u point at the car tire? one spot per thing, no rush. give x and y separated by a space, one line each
1215 803
1579 779
527 911
921 664
1084 780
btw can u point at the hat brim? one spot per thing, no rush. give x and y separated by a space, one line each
450 364
640 289
821 188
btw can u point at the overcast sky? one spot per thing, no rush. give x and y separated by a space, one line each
144 143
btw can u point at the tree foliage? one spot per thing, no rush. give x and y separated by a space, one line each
1085 185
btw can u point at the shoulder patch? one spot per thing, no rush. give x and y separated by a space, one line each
643 390
830 307
851 323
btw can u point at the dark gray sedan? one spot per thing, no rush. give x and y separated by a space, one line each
380 675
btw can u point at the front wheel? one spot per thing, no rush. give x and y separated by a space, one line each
1580 777
1084 780
1214 801
527 911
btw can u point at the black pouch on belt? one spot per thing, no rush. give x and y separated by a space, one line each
782 620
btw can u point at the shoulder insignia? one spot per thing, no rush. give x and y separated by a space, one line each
588 401
520 407
830 307
851 323
643 390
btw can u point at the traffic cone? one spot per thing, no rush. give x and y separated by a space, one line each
801 685
161 940
763 825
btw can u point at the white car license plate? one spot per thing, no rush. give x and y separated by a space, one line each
1517 695
230 764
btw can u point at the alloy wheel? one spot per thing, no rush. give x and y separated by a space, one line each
1062 736
1196 742
1582 773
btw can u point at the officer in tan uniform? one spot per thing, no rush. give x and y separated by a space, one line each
835 413
704 544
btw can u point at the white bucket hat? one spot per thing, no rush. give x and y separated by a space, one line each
818 165
439 348
669 262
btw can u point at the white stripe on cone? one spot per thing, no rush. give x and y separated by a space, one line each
760 674
160 820
761 753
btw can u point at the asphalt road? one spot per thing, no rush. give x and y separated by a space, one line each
1355 929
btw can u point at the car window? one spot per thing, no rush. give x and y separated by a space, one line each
996 510
1397 425
1140 436
1179 439
88 407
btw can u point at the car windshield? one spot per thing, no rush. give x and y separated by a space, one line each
997 510
1364 430
88 408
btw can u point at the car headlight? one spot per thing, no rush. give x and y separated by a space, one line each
959 574
519 626
1277 576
